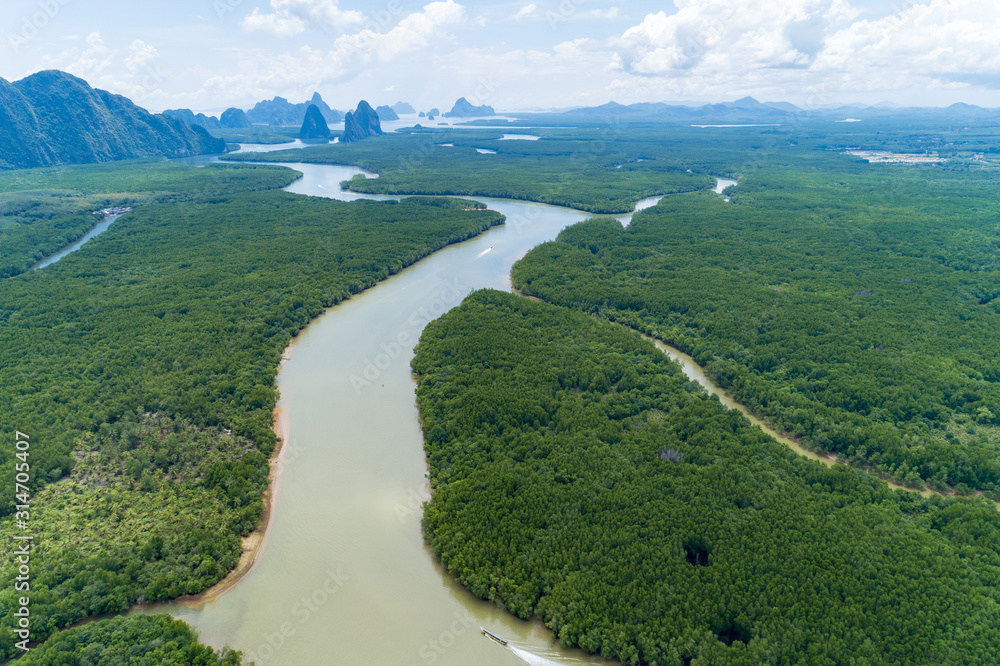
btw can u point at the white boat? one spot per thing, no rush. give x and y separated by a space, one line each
491 635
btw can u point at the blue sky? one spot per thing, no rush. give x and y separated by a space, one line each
211 54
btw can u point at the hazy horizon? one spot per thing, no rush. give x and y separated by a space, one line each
208 55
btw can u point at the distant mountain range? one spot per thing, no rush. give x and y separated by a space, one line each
188 117
464 109
749 110
52 118
279 111
386 113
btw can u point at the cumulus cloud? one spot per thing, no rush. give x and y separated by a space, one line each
291 17
92 60
946 41
136 75
282 26
715 47
806 51
728 33
350 54
526 12
140 55
412 33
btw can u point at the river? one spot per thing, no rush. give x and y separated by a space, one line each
721 184
343 575
94 231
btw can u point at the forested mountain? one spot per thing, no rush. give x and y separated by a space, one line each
233 118
52 117
362 123
314 126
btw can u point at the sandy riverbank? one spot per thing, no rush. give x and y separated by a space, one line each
253 543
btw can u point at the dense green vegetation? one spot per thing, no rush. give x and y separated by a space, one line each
141 640
579 477
853 307
143 365
606 167
42 210
567 168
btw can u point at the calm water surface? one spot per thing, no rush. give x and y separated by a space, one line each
96 230
344 576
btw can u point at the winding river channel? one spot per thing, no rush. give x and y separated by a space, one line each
343 575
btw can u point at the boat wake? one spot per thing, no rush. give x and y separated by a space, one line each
532 658
523 655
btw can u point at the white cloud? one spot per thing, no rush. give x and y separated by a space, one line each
723 34
291 17
926 51
350 54
140 56
526 12
92 60
136 75
819 49
946 41
282 26
609 13
412 33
